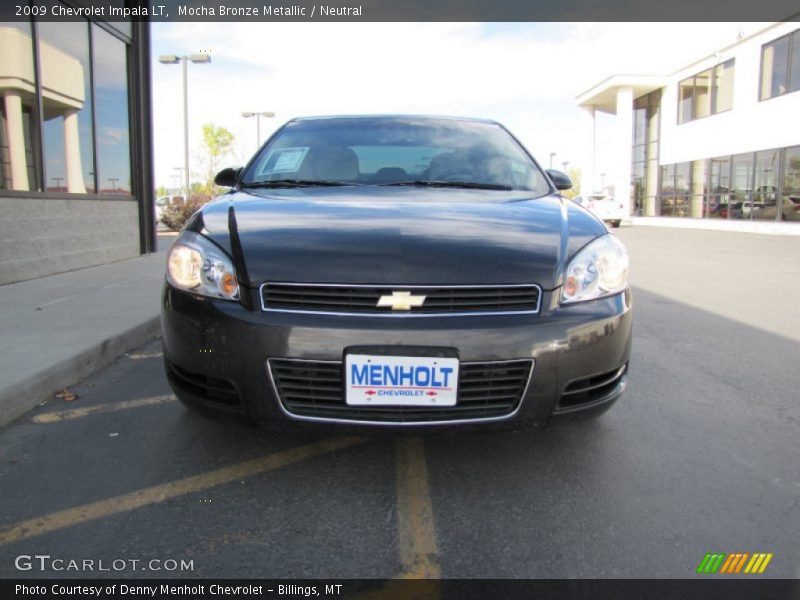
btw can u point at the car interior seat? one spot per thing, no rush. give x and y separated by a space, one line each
330 163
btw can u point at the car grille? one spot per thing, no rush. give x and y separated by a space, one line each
361 299
315 389
590 389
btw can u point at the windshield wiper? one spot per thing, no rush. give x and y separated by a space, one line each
280 183
451 184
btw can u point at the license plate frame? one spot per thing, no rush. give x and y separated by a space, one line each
404 381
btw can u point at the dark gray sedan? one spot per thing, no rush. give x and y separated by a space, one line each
396 271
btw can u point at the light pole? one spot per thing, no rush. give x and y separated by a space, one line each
565 164
173 59
267 114
602 182
186 191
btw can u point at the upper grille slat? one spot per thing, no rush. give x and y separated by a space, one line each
363 300
315 389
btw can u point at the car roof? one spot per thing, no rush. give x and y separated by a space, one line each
395 116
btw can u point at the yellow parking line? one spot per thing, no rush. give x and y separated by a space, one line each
144 355
160 493
74 413
419 550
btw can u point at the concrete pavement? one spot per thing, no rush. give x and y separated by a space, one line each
699 456
56 330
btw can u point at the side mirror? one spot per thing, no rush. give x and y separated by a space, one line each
228 177
560 180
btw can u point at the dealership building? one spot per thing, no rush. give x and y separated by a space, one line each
717 139
75 146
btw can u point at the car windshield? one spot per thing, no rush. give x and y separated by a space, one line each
395 151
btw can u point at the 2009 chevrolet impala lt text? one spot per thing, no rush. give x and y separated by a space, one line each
396 271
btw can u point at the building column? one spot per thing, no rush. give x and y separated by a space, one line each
72 151
698 186
16 140
623 148
589 164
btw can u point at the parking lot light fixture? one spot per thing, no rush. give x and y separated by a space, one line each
267 114
174 59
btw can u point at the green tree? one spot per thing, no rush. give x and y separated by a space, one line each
198 187
574 173
161 191
217 144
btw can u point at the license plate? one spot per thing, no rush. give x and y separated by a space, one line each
400 380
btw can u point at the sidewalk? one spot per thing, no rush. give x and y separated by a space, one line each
738 226
56 330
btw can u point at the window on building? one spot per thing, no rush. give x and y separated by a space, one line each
790 202
702 93
80 143
742 171
763 185
18 87
722 98
644 167
764 204
706 93
719 188
780 66
676 190
686 100
67 106
111 109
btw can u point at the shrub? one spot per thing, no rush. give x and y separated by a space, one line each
177 211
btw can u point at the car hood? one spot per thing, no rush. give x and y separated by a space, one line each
400 235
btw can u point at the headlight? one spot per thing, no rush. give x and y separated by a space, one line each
600 269
197 265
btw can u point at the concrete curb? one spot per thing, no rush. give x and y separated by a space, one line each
20 397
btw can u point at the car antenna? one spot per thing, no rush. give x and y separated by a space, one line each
238 255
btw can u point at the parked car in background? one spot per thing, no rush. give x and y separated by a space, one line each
161 203
605 208
790 211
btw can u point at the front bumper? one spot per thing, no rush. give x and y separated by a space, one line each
217 353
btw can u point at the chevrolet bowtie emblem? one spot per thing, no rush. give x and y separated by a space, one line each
401 301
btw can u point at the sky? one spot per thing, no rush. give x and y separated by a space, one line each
524 75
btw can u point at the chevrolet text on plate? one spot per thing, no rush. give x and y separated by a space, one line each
396 271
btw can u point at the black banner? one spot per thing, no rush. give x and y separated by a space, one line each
460 589
406 10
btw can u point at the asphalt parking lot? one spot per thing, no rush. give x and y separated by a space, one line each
701 455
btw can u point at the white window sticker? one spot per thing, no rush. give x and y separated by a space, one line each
287 160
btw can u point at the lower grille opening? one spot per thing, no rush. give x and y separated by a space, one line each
591 389
316 389
210 389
